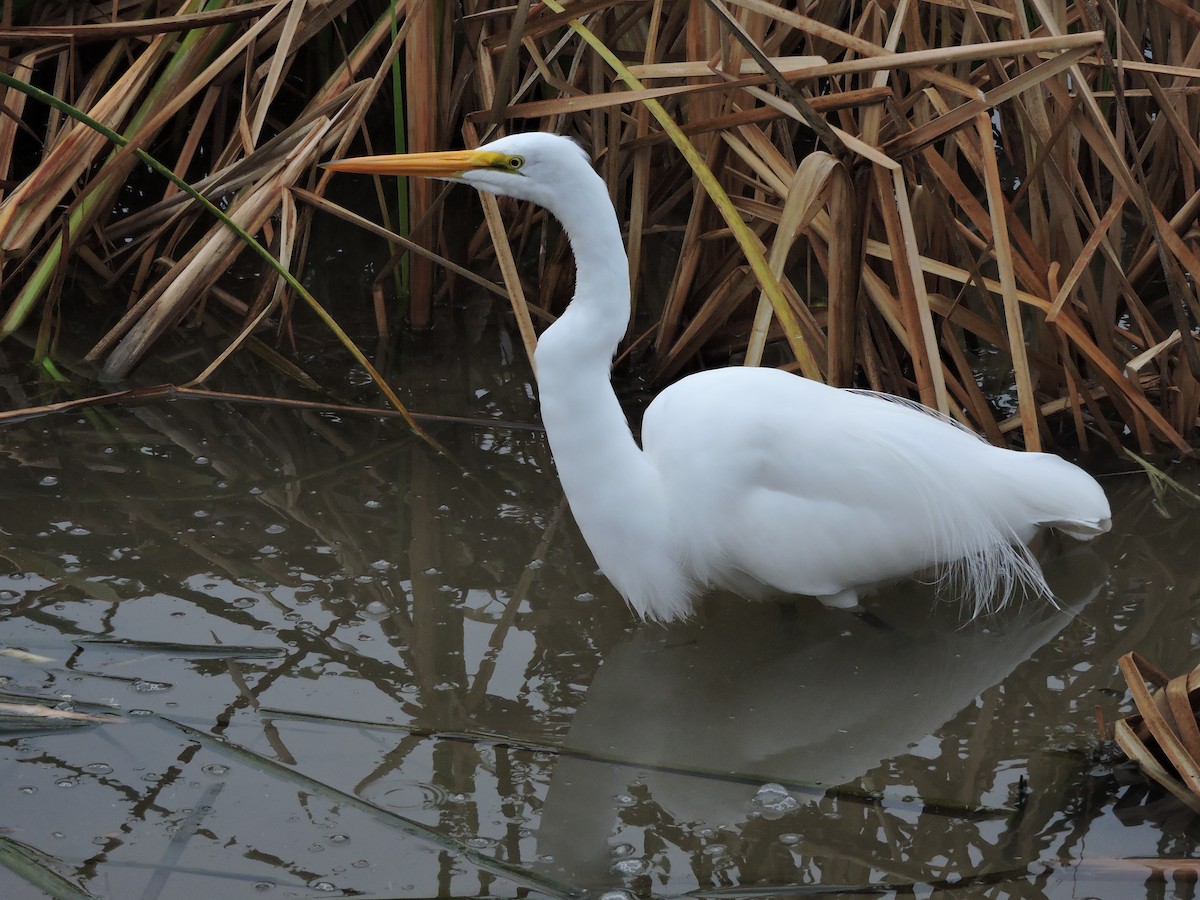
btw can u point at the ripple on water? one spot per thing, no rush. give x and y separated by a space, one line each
406 795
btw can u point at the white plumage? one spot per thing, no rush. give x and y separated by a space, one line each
754 480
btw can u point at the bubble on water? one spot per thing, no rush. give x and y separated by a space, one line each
360 864
98 768
624 800
201 460
373 504
789 839
536 564
215 769
339 838
263 886
631 867
66 783
616 895
48 481
481 843
773 800
151 687
276 528
714 850
243 602
133 713
324 887
27 789
622 850
585 596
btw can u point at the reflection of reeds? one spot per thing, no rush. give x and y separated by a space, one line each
338 498
485 738
962 183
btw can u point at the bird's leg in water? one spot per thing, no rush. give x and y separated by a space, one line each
848 600
871 619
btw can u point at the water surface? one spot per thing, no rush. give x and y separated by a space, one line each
329 662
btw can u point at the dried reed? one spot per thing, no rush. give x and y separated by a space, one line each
991 207
1164 739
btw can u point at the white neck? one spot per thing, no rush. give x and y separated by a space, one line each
614 491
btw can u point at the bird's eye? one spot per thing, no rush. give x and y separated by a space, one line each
515 162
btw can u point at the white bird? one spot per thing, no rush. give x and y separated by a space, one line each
749 479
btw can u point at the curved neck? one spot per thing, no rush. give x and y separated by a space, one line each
614 491
598 314
574 355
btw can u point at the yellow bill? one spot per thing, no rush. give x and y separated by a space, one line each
439 164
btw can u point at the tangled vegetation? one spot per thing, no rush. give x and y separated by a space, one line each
987 206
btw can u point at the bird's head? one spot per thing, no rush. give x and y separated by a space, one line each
536 166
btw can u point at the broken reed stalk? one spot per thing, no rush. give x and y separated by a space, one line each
1164 738
971 197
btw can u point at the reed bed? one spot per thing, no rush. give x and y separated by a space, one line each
990 207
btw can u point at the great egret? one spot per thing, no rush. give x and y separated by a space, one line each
751 479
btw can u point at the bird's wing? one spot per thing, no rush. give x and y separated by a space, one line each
916 406
815 490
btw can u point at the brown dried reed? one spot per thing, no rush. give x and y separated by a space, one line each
1164 737
989 206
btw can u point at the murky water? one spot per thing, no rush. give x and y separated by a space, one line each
326 661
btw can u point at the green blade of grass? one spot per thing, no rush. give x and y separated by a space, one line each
523 877
38 870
